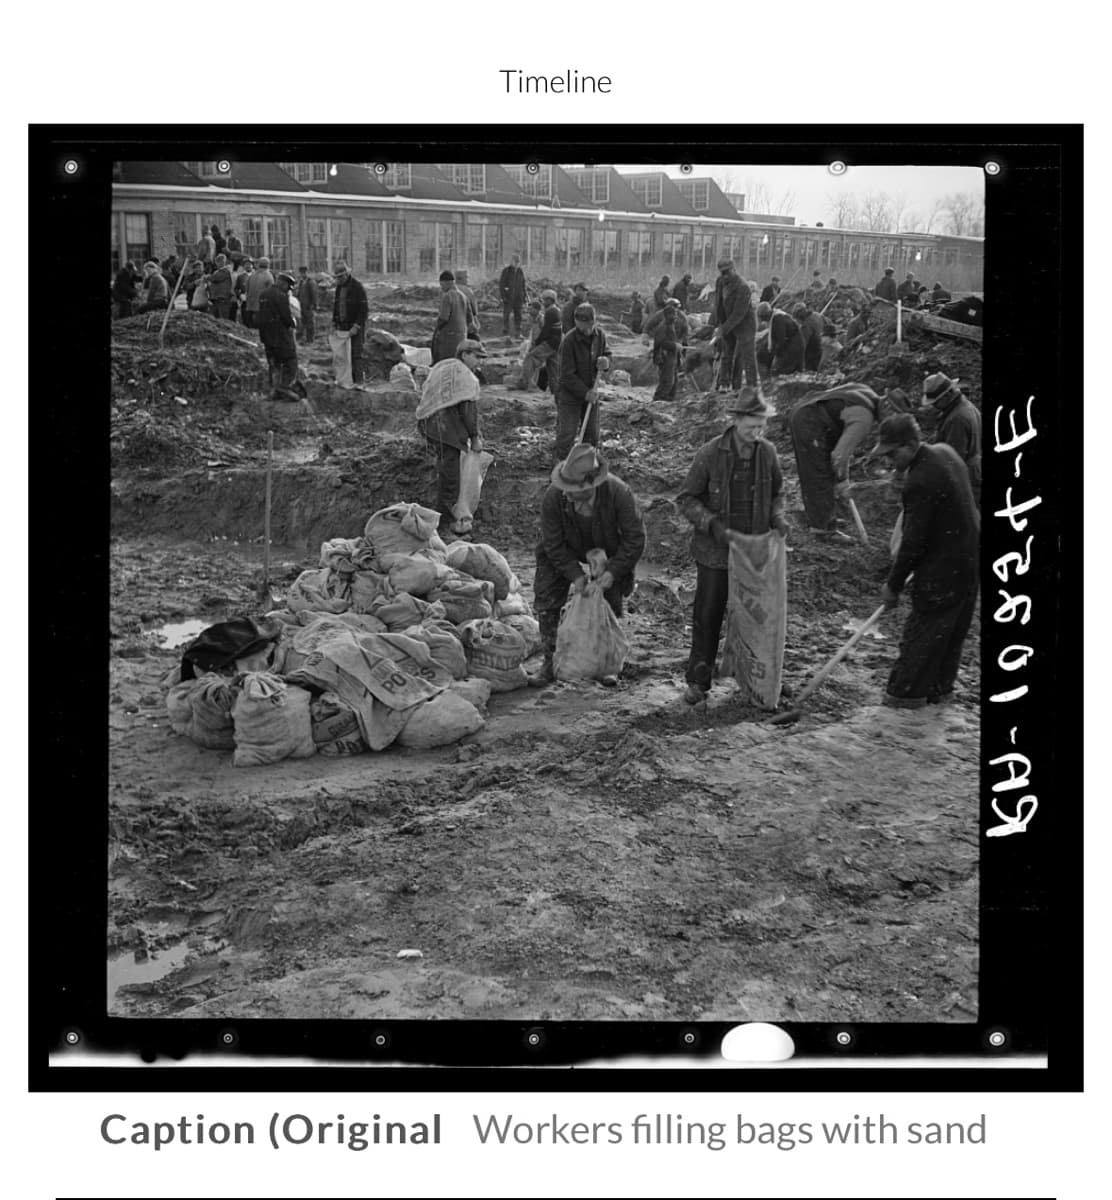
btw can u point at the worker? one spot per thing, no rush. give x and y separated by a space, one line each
220 288
735 325
939 295
451 319
810 330
463 283
682 290
583 508
734 484
906 292
771 290
636 312
816 288
826 429
511 287
859 325
349 314
959 426
579 295
205 251
156 289
448 418
939 552
886 287
257 283
546 346
124 291
780 348
661 294
307 295
583 354
276 332
234 247
668 329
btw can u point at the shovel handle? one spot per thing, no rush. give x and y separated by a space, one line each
266 513
854 639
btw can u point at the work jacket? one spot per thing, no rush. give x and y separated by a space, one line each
257 283
665 338
307 294
551 332
276 322
511 284
349 304
770 292
220 284
124 286
733 306
579 355
567 314
853 406
960 427
681 292
886 288
660 296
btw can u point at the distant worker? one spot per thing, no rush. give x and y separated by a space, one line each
816 287
462 282
859 325
451 319
239 289
579 295
257 283
220 286
218 240
511 287
660 296
939 552
546 345
959 425
682 290
780 347
234 247
276 332
448 417
157 291
636 312
939 295
124 291
583 354
827 428
771 290
668 329
886 287
307 296
206 250
349 313
734 484
906 291
584 508
810 329
735 325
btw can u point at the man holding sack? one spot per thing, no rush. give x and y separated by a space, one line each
584 508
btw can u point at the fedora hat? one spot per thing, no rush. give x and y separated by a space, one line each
749 403
583 468
938 385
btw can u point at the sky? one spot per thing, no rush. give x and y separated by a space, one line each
813 185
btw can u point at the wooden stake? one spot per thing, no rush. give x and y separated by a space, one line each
177 284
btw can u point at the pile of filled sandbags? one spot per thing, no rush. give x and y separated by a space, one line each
394 636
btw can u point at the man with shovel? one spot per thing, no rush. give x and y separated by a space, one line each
583 354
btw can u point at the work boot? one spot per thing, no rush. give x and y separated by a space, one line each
544 674
695 694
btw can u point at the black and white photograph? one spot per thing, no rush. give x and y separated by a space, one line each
545 591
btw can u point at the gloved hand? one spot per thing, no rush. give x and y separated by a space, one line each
717 530
603 363
888 597
842 489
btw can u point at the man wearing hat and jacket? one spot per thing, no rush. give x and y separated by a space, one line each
448 416
567 313
668 329
451 320
782 350
276 331
939 553
511 287
546 346
734 484
959 425
583 508
349 312
583 353
735 326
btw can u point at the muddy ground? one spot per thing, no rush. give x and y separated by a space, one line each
591 853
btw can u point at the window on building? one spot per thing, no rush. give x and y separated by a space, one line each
494 247
639 249
395 247
185 233
373 248
674 249
398 175
307 172
253 237
425 233
137 238
277 230
787 250
385 257
569 247
474 245
536 244
316 230
594 184
470 178
516 241
696 192
446 243
117 262
648 189
539 186
703 251
605 248
339 236
824 252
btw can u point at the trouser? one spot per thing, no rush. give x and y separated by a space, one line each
739 358
357 356
537 357
514 307
712 587
549 618
812 354
283 373
251 318
222 309
123 308
930 652
154 306
569 416
667 366
814 436
447 479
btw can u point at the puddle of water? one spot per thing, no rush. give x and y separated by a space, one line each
123 969
173 636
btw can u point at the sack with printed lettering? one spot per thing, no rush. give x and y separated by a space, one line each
272 721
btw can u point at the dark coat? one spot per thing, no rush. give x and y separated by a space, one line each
770 292
567 314
787 343
276 323
705 495
886 288
511 284
123 288
733 306
665 338
616 527
579 355
355 296
681 292
551 333
454 426
907 292
451 324
660 295
941 531
307 294
220 284
960 427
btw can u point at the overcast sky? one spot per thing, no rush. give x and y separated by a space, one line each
813 185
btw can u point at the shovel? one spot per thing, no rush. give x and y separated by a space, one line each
858 524
586 418
266 598
793 714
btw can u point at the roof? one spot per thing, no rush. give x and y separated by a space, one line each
350 179
671 198
427 183
268 176
163 173
719 206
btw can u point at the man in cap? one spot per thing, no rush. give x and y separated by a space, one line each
907 292
220 288
682 290
583 353
886 287
939 552
939 295
546 346
205 250
827 428
349 313
511 287
448 417
810 329
782 349
276 332
257 283
636 312
156 289
451 319
567 315
583 508
771 290
959 425
462 282
124 291
734 484
735 325
668 329
233 247
307 296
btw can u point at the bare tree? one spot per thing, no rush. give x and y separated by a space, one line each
785 203
913 223
876 212
757 196
934 210
963 208
842 207
727 181
898 202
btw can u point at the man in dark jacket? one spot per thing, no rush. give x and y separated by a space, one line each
579 295
547 346
660 296
451 319
735 483
668 329
349 311
810 329
511 287
636 312
682 290
276 334
939 295
781 347
939 550
886 287
735 323
257 283
233 248
307 296
583 353
220 288
464 285
771 290
584 508
959 425
907 292
124 291
158 292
